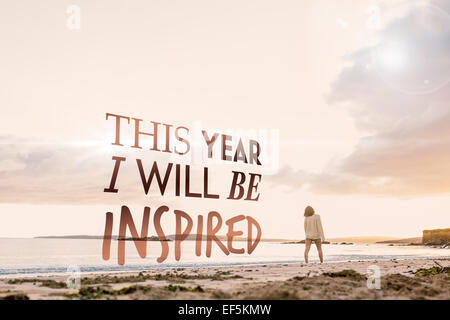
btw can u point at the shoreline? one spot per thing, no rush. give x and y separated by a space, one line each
330 280
169 267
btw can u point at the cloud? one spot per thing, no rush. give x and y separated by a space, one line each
398 94
37 171
77 172
33 171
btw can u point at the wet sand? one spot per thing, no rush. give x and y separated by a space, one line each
400 279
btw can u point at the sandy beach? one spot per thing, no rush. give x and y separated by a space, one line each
400 279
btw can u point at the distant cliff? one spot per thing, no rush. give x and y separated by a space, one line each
436 237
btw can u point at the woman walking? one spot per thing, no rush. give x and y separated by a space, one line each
313 232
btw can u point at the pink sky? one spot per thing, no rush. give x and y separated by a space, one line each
356 92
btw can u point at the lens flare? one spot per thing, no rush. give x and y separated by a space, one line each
392 57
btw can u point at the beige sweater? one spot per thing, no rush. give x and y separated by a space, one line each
313 228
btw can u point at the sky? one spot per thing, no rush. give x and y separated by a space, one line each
349 101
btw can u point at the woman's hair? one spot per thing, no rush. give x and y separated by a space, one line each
309 211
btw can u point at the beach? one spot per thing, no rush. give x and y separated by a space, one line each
400 279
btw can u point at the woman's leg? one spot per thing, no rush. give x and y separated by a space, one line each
307 247
319 249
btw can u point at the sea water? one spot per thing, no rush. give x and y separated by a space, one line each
19 257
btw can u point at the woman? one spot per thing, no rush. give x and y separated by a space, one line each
313 232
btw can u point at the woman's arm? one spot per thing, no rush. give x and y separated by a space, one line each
319 227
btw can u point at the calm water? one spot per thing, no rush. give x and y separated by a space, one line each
48 256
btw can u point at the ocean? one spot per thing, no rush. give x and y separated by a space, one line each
21 257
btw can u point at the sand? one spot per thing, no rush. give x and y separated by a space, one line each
400 279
